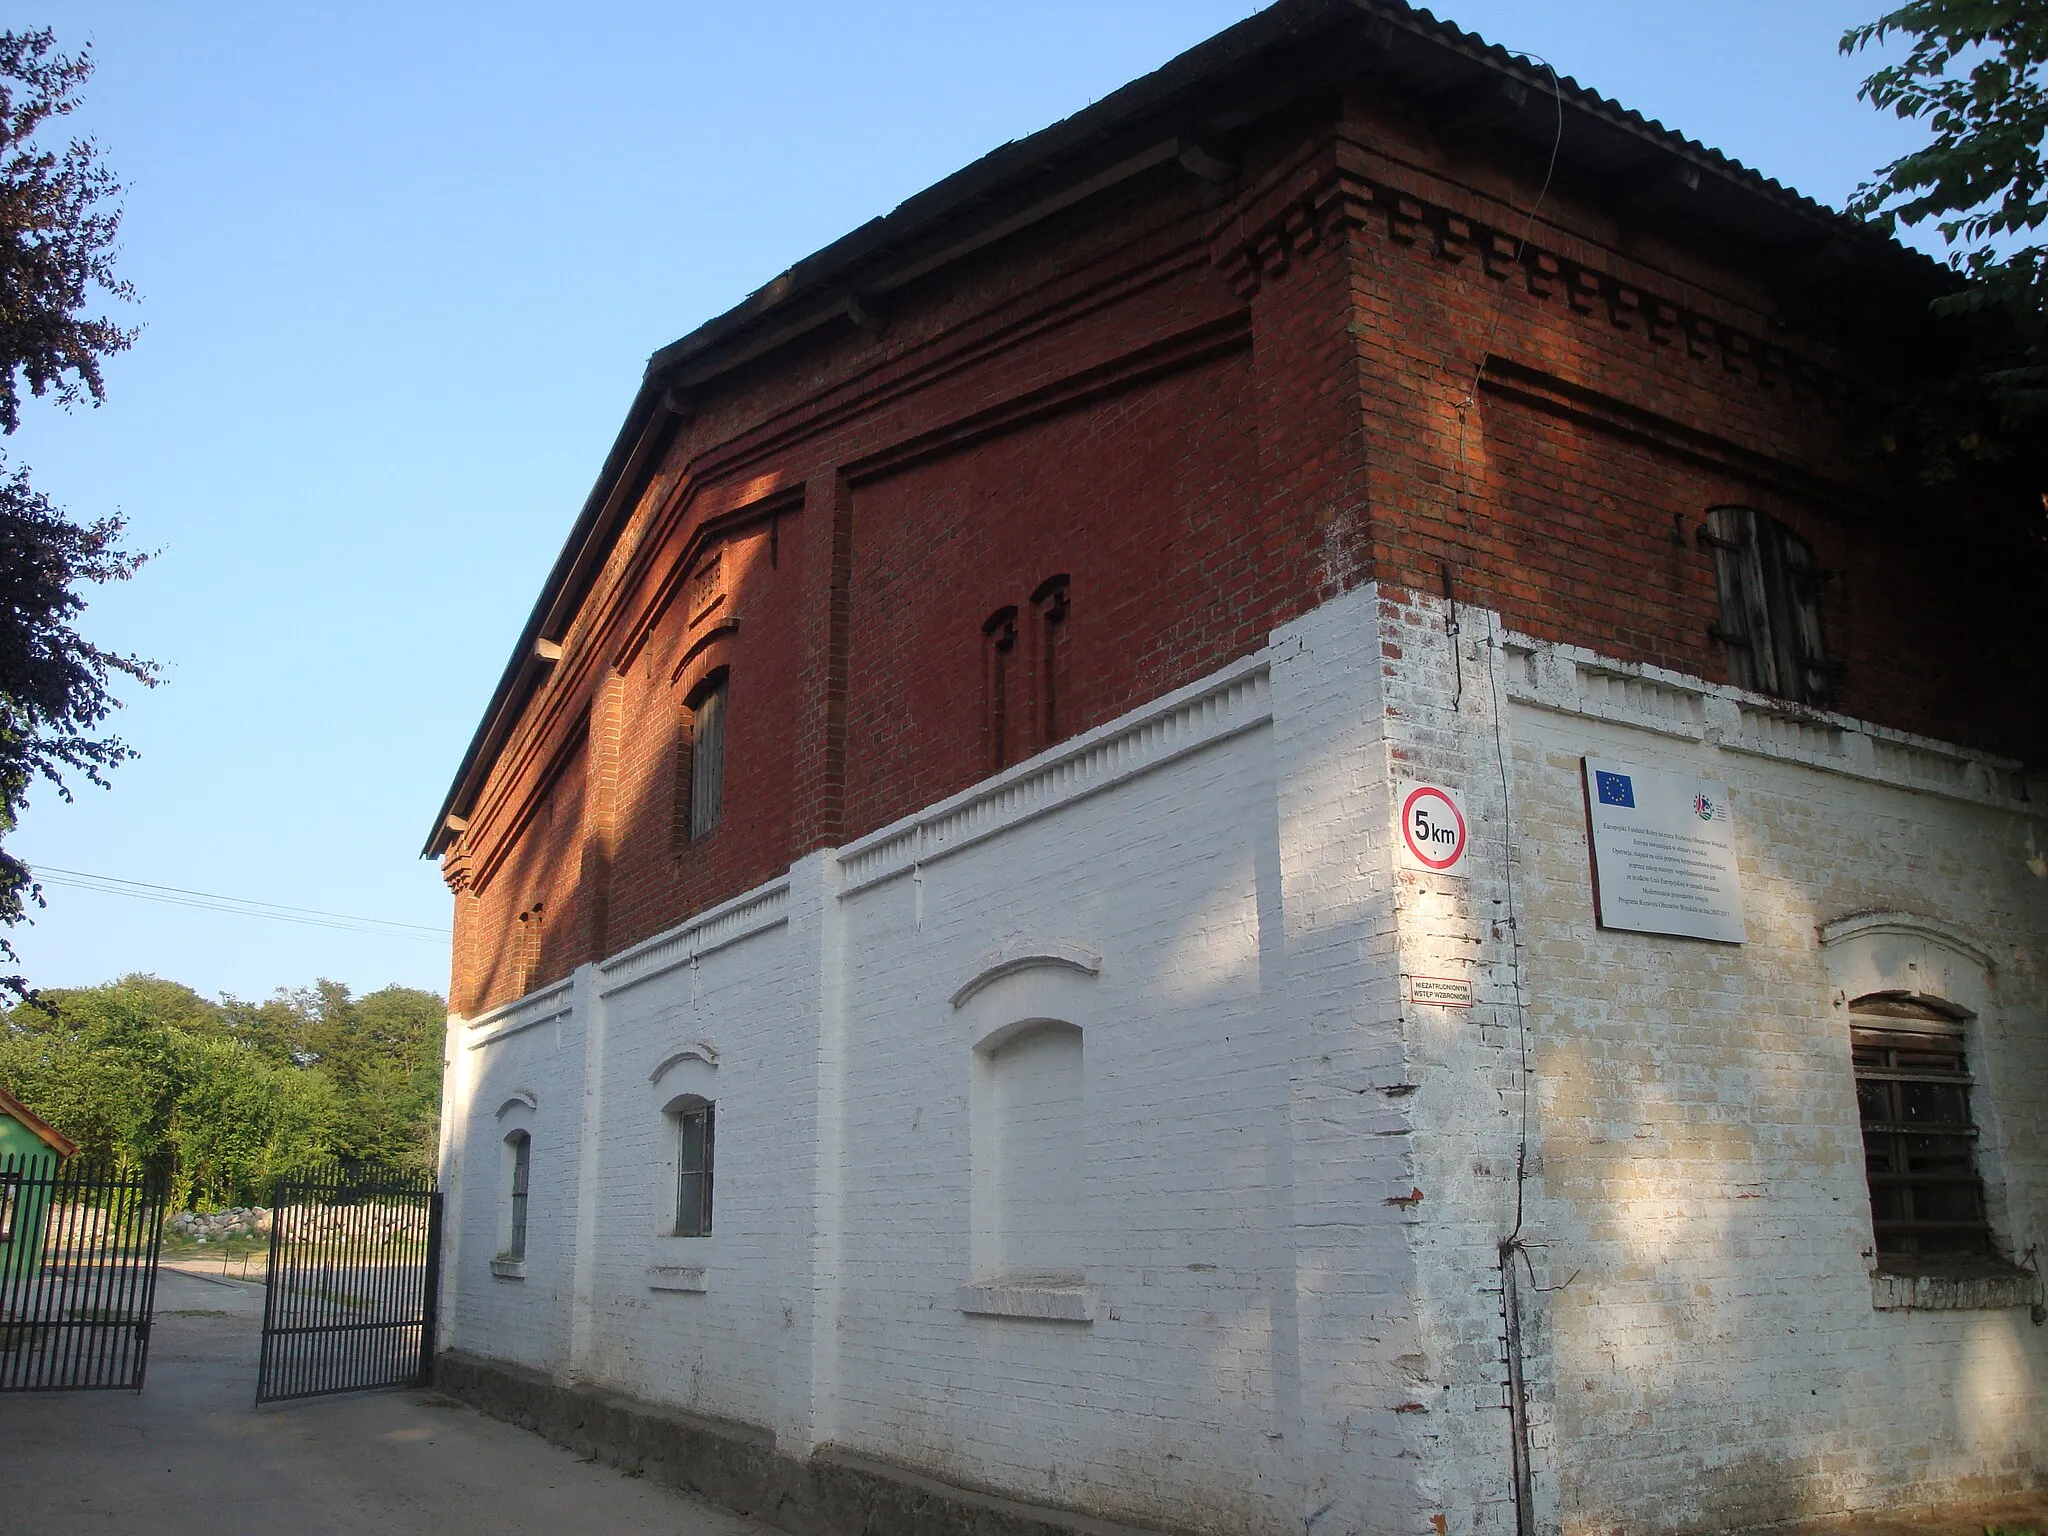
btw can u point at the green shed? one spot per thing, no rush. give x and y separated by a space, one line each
30 1150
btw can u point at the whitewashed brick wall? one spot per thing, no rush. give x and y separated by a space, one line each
1709 1355
1297 1185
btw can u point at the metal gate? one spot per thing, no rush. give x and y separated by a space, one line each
78 1252
354 1269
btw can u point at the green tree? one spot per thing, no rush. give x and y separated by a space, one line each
240 1121
226 1096
104 1063
1973 73
382 1052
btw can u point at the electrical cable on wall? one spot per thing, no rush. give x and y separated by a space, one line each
1465 407
1510 1246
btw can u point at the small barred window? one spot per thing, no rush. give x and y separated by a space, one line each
1919 1142
519 1146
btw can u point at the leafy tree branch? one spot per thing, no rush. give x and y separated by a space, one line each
1973 73
60 218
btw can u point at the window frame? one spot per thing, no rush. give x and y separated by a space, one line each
11 1184
703 1114
518 1192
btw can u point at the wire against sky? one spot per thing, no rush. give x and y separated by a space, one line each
239 906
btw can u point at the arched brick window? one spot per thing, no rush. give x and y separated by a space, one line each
699 803
530 922
1049 608
998 654
686 1091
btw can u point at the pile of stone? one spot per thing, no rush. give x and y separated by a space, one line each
356 1223
218 1226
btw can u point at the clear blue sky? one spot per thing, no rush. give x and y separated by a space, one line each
400 268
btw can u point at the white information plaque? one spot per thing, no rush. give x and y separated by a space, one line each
1440 991
1663 853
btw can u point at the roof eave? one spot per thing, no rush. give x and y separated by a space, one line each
37 1126
817 289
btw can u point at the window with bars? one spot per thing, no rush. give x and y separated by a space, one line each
10 1189
1919 1142
1769 586
695 1136
520 1145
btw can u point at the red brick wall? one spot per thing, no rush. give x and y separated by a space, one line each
1209 410
652 884
540 865
1141 500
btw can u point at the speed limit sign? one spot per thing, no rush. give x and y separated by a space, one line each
1434 832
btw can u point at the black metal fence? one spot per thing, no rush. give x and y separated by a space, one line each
349 1302
78 1252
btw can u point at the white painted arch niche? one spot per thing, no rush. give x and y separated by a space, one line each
682 1081
1026 1020
514 1127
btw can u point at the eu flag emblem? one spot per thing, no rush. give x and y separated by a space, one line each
1615 789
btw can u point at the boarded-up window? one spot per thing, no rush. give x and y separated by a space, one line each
706 766
1769 588
1919 1142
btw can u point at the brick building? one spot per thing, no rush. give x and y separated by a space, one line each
949 1004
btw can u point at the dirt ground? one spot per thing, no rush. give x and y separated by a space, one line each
2013 1516
190 1456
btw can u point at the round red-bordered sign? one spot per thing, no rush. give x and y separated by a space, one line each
1425 833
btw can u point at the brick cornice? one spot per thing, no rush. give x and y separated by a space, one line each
1349 187
458 866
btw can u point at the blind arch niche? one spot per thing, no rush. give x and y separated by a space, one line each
1027 1016
1030 1155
